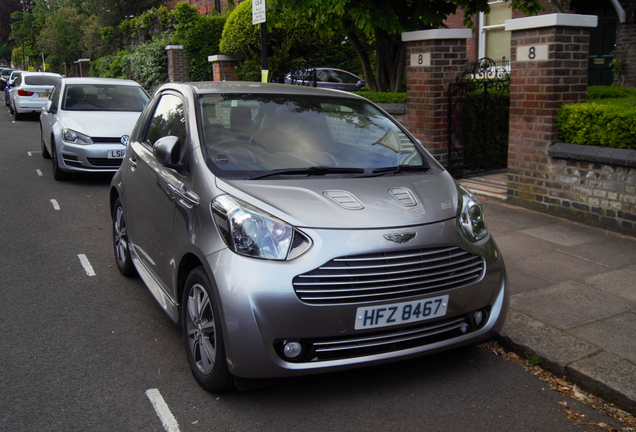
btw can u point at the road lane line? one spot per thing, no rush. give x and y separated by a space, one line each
161 408
56 206
88 268
39 172
34 151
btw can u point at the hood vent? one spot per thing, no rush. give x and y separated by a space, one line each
344 199
403 196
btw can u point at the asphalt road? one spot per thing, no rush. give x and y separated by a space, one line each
79 352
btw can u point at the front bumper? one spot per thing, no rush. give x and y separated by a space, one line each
87 158
261 309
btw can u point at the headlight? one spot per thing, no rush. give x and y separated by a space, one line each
249 231
73 137
471 219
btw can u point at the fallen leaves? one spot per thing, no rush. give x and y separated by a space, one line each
572 391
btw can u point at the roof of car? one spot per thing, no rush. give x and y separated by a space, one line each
26 73
211 87
112 81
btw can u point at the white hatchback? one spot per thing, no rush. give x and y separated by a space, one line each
86 122
30 91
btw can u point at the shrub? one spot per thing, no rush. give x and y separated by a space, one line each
609 92
149 63
602 122
379 97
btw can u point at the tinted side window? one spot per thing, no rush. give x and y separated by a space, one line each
17 81
168 119
55 95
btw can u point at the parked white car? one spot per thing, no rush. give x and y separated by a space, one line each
86 122
30 91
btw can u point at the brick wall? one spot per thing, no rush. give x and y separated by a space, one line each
626 46
456 21
177 64
224 71
427 91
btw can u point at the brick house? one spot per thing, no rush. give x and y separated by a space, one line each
203 6
615 36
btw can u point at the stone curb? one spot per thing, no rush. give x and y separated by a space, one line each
595 370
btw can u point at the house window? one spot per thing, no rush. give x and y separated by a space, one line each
494 40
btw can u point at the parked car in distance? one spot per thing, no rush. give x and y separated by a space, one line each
7 97
30 91
295 230
335 79
86 122
4 77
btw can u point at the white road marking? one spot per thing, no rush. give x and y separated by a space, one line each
161 408
34 151
88 268
39 172
56 206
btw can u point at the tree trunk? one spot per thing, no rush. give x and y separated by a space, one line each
362 54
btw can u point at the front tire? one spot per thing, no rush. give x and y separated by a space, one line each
121 244
58 174
203 334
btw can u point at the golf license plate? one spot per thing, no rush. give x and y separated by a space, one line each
400 313
116 154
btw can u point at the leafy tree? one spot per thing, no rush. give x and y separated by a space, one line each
62 33
149 64
7 7
383 22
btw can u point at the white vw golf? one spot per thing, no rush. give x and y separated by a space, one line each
86 122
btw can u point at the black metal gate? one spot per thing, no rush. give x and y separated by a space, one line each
478 104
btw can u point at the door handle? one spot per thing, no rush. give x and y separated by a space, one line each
133 162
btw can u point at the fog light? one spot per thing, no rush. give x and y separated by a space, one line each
292 350
480 318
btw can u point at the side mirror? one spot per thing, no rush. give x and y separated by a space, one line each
49 107
362 83
167 150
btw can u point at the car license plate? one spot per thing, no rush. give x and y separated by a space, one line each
45 95
400 313
116 154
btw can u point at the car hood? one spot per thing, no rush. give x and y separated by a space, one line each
100 123
374 202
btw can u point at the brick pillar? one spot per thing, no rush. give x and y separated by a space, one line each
434 59
83 67
549 56
177 63
223 67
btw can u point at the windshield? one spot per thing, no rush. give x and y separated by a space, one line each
104 97
249 136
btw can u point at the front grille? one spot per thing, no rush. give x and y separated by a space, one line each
389 275
379 342
104 163
106 139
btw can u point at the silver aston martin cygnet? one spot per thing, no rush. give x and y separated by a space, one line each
295 231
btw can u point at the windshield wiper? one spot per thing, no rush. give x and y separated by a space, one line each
400 169
311 171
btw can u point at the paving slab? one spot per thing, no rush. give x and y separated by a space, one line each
520 282
555 266
519 245
557 349
621 283
609 376
615 252
569 233
614 334
504 219
569 304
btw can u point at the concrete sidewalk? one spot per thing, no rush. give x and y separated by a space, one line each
573 298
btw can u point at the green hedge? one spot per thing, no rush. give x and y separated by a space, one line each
609 92
602 122
379 97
